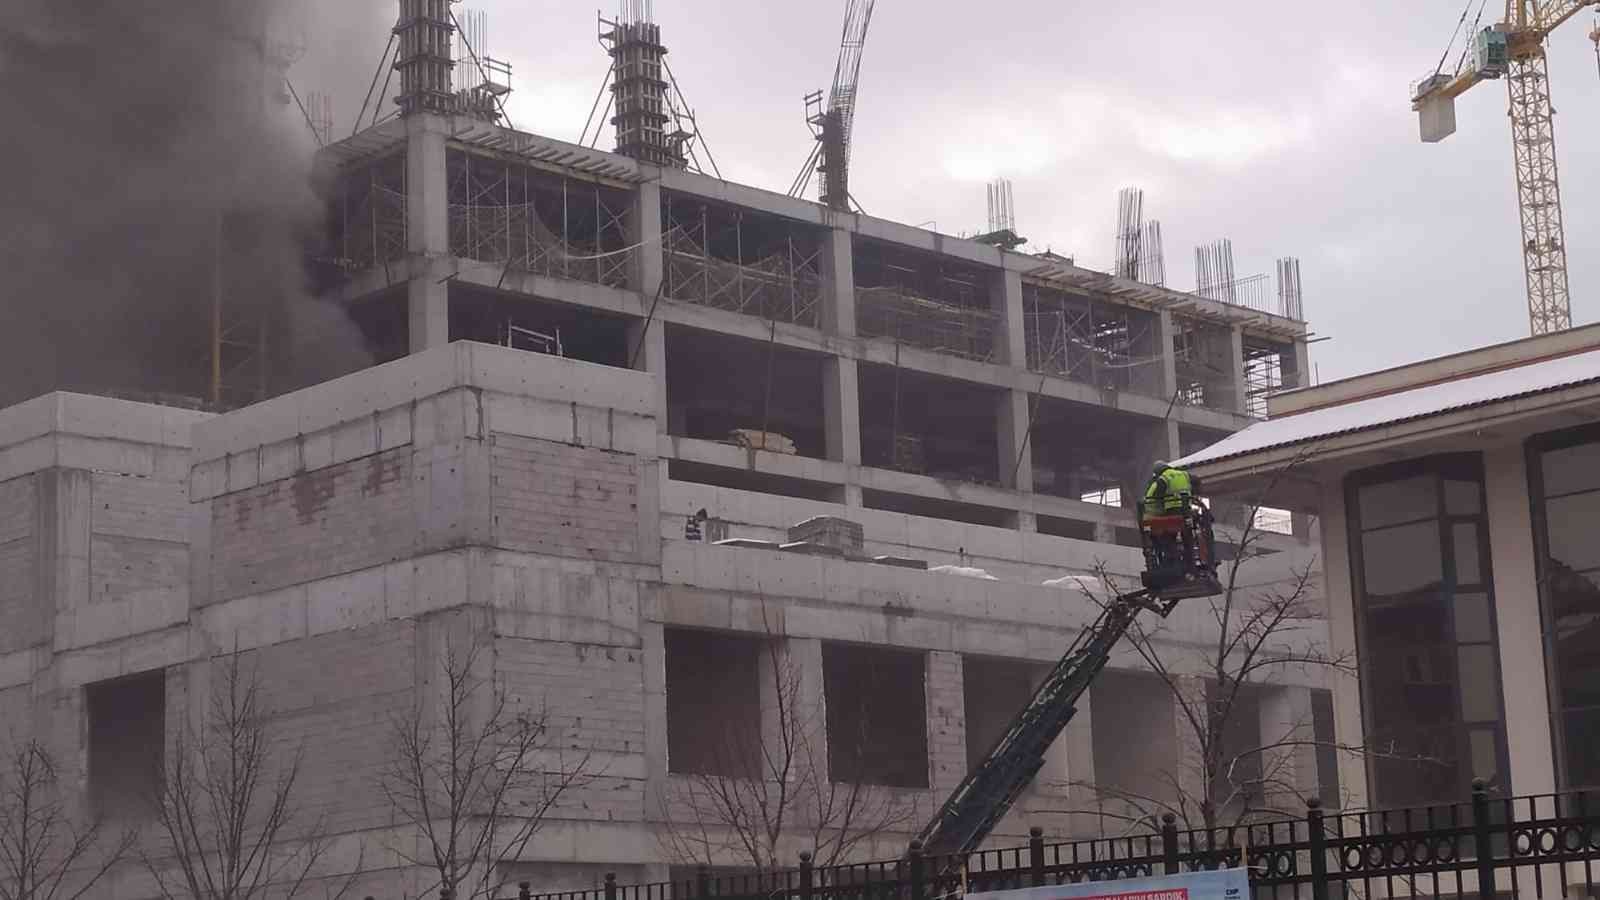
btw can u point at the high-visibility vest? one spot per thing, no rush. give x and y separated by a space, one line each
1168 492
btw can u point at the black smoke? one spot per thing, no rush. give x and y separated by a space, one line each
149 155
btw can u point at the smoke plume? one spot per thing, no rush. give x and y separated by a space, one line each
153 157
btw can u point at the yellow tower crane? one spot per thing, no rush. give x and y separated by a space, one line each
1515 49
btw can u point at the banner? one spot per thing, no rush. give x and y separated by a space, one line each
1222 884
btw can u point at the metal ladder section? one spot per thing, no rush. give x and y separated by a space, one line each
986 794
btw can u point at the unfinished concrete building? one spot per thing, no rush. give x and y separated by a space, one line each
582 361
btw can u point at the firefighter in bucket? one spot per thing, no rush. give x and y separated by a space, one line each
1176 531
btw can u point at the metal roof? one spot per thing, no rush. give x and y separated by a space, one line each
1407 405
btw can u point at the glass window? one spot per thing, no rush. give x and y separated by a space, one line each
1573 468
1564 479
1480 688
1574 523
1393 502
1402 559
1429 653
1472 617
1461 498
1466 546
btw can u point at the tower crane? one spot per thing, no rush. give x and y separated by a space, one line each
1514 49
831 122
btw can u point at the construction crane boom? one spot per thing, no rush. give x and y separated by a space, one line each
833 123
988 792
1515 50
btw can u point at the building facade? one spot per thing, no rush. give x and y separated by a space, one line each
577 355
1458 502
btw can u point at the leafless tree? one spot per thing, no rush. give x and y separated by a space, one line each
228 823
475 774
771 788
44 853
1261 631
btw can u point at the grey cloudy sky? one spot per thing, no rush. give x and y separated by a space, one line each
1283 126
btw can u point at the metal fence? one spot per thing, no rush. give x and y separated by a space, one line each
1528 848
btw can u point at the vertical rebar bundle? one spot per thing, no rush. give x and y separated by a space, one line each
1002 207
1289 302
1130 227
1213 272
425 59
1152 260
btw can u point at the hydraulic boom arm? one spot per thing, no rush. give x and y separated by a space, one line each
983 799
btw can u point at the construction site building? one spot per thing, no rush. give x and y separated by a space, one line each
585 362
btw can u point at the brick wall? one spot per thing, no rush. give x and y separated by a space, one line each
593 696
314 524
564 500
336 697
19 511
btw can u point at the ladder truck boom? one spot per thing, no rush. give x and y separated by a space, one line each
984 797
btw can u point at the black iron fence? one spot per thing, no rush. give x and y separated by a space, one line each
1489 848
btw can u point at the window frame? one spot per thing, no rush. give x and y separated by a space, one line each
1535 448
1440 468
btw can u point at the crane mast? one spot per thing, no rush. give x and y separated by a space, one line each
1515 49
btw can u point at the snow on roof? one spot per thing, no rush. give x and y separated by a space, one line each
1416 403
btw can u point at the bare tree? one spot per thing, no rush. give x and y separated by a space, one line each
228 824
44 853
771 787
476 775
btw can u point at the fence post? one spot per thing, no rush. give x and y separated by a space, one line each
1169 843
1319 848
702 882
524 890
445 893
1481 836
919 891
805 875
611 886
1036 855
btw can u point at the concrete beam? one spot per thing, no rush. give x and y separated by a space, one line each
1012 342
1015 448
644 232
1241 395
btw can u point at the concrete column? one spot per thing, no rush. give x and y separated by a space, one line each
1011 337
644 230
1295 366
1169 357
947 725
647 341
1347 721
1290 770
1241 400
796 664
653 648
838 283
427 231
1191 691
1517 615
1011 424
841 417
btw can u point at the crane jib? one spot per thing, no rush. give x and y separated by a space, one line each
987 793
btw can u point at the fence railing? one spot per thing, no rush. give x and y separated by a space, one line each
1529 848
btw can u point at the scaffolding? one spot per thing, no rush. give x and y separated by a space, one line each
371 211
1263 375
540 222
924 301
1109 346
740 261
